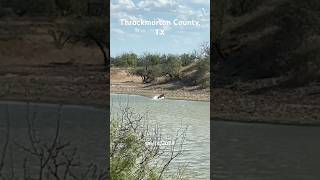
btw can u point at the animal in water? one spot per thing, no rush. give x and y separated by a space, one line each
161 96
157 97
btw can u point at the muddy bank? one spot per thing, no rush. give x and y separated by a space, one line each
299 106
169 90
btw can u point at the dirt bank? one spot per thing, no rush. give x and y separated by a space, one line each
297 106
122 82
81 85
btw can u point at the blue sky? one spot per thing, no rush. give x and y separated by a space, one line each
175 40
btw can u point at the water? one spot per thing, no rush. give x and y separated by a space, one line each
172 115
84 127
244 151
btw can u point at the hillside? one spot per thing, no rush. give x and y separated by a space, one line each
269 70
34 69
266 41
122 81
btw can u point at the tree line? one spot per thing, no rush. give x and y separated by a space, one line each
151 66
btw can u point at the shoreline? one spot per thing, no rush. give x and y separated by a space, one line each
237 106
278 108
92 104
90 87
299 118
152 90
170 98
248 120
21 101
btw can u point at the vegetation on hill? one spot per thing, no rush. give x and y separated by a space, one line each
266 39
191 69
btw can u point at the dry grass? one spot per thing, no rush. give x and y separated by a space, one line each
122 75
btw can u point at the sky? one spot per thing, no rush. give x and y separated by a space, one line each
161 38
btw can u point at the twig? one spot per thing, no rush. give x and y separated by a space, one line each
6 143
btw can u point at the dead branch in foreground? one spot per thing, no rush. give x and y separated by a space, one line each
56 160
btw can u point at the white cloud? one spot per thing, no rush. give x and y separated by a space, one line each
127 3
123 15
186 12
200 1
151 4
116 30
122 5
176 8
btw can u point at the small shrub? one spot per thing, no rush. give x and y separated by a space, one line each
173 67
202 76
148 74
187 59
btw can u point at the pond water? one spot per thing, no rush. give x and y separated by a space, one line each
249 151
172 115
84 127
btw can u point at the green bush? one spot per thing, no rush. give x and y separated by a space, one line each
202 76
126 60
131 157
149 59
173 67
154 59
156 71
187 59
149 73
